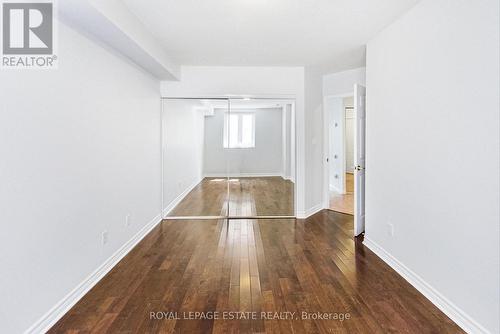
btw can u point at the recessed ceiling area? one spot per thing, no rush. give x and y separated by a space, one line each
267 32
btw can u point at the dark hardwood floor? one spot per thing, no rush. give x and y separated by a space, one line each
245 196
309 266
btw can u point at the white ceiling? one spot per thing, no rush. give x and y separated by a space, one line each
327 33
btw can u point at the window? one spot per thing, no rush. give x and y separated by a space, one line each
239 130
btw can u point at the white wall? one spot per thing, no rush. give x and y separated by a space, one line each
183 137
203 81
79 151
266 158
433 85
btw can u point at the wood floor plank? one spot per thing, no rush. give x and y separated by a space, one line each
271 266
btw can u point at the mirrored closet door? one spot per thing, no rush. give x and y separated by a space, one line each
228 158
189 131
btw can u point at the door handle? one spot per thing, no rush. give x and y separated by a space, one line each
358 167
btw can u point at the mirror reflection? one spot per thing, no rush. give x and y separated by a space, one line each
228 158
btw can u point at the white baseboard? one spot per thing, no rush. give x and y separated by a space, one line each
179 198
48 320
451 310
309 212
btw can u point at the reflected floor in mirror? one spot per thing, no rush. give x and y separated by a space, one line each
270 276
344 202
248 196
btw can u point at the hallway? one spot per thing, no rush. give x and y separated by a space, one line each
309 266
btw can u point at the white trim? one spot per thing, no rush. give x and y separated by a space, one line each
226 141
309 212
243 175
456 314
48 320
294 158
179 198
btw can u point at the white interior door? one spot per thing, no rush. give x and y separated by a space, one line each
359 158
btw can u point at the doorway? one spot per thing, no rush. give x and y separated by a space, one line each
344 144
341 171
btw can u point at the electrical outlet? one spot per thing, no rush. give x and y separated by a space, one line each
127 220
390 229
104 237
